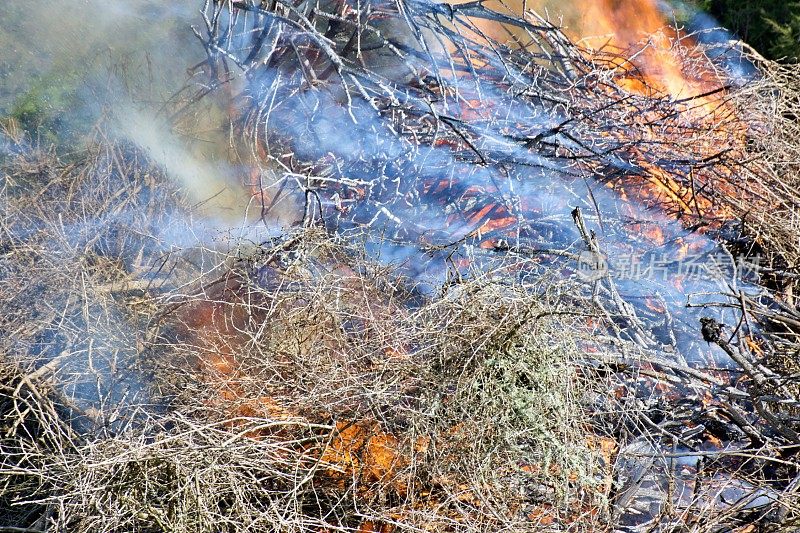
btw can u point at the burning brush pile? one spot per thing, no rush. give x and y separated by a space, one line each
501 277
294 385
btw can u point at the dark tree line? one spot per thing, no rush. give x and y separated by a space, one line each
771 26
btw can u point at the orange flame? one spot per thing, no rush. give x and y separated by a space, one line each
641 30
644 53
637 28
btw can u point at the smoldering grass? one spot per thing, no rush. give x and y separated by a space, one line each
346 401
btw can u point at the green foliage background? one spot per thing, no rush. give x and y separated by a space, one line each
64 64
771 26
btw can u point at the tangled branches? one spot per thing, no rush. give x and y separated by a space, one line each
391 115
293 385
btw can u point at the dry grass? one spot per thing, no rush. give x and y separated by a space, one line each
769 177
292 386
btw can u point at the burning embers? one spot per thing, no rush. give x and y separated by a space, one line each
403 409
